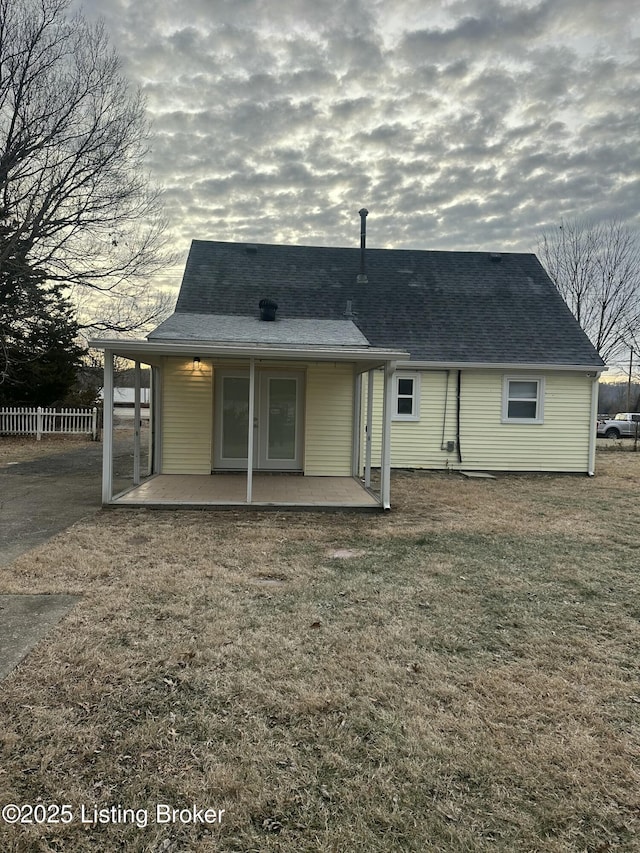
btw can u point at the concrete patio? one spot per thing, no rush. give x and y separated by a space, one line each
176 491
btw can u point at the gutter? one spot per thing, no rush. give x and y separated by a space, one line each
492 365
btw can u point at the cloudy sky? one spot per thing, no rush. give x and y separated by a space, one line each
459 124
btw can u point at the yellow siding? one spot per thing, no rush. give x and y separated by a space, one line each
561 443
187 410
328 420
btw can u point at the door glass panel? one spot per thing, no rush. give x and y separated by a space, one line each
235 417
282 419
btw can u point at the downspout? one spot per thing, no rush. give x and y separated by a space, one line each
459 449
593 426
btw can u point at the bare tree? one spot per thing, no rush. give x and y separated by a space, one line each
75 199
596 268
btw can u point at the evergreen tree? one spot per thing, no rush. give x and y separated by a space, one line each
39 353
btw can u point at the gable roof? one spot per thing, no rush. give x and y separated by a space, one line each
443 307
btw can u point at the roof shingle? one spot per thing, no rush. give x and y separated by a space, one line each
444 307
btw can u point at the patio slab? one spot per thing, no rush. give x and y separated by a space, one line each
230 490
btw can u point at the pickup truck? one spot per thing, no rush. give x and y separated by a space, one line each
622 424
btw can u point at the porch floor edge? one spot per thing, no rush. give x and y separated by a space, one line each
255 506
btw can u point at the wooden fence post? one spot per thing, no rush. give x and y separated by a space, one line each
39 423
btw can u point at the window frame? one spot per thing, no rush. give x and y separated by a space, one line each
506 399
414 396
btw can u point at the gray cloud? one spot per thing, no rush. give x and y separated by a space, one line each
468 125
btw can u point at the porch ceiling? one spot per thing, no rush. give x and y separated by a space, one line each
181 491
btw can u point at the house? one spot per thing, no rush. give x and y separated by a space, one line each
324 365
126 397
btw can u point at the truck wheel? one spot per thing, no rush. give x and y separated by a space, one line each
612 432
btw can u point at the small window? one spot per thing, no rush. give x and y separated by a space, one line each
407 398
523 400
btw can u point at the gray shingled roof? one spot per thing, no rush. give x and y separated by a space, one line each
285 331
445 307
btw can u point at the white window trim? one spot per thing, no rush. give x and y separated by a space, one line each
415 416
539 419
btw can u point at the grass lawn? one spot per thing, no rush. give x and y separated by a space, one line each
460 674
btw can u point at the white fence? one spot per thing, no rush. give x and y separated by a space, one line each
39 422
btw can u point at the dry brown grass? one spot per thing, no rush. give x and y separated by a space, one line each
458 675
24 448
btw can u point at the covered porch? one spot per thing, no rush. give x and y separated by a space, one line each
197 429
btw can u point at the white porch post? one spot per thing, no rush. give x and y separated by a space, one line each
107 429
367 445
385 461
357 425
136 425
156 411
252 384
152 422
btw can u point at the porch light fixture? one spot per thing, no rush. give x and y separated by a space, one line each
196 362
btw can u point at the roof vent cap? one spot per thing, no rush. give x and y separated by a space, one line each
268 309
251 249
349 312
495 257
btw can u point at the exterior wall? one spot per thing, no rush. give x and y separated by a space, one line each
187 417
187 411
561 443
329 420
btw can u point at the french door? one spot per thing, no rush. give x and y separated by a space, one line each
277 423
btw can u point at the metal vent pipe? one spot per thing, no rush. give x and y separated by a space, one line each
362 277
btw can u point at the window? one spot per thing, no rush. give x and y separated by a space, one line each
407 397
522 400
